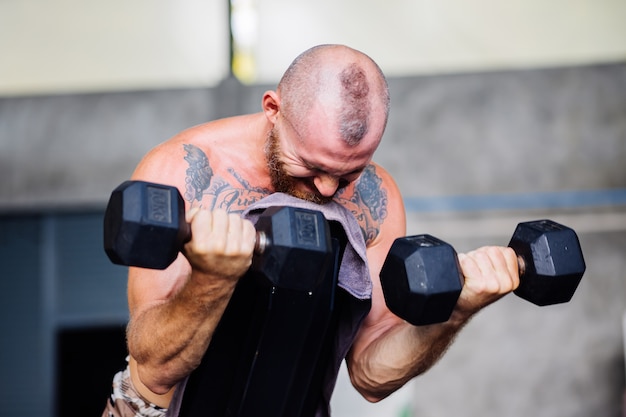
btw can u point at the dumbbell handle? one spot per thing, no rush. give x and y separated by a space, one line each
521 265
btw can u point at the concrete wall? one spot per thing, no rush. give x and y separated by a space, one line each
535 134
500 132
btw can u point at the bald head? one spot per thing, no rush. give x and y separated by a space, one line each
340 80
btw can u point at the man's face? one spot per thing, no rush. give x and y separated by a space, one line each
283 182
313 162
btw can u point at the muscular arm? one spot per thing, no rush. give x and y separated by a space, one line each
388 352
173 313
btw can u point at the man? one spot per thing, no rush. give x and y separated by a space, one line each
314 139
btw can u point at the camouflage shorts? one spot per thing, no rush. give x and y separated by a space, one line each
126 402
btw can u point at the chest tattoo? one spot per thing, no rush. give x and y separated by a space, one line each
205 189
367 200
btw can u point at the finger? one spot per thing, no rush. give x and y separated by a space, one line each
512 265
218 233
496 259
482 271
191 213
249 236
234 236
201 225
478 263
469 267
502 272
498 265
241 235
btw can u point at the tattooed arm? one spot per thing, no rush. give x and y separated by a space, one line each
173 313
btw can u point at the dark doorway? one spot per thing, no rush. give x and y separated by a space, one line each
87 359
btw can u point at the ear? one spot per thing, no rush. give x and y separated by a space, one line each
271 105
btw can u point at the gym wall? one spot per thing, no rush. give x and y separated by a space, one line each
492 123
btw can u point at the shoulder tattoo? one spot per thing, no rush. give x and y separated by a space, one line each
368 202
198 175
205 189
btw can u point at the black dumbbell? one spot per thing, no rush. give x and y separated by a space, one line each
144 226
422 280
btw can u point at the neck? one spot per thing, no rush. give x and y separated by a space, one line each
255 133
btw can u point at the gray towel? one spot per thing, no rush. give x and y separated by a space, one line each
354 276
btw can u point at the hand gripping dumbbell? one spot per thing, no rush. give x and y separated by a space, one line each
422 280
144 226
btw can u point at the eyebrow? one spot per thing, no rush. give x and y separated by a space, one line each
309 165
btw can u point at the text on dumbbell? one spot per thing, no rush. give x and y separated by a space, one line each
159 205
307 229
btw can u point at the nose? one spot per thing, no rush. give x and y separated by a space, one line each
327 185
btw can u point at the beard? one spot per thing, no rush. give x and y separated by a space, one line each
283 182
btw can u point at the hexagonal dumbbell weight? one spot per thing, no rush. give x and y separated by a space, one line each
421 277
144 226
550 260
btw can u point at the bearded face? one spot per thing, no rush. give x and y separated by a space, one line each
284 183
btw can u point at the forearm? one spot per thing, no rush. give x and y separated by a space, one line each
175 312
400 354
168 340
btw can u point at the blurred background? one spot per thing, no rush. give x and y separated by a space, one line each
501 112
